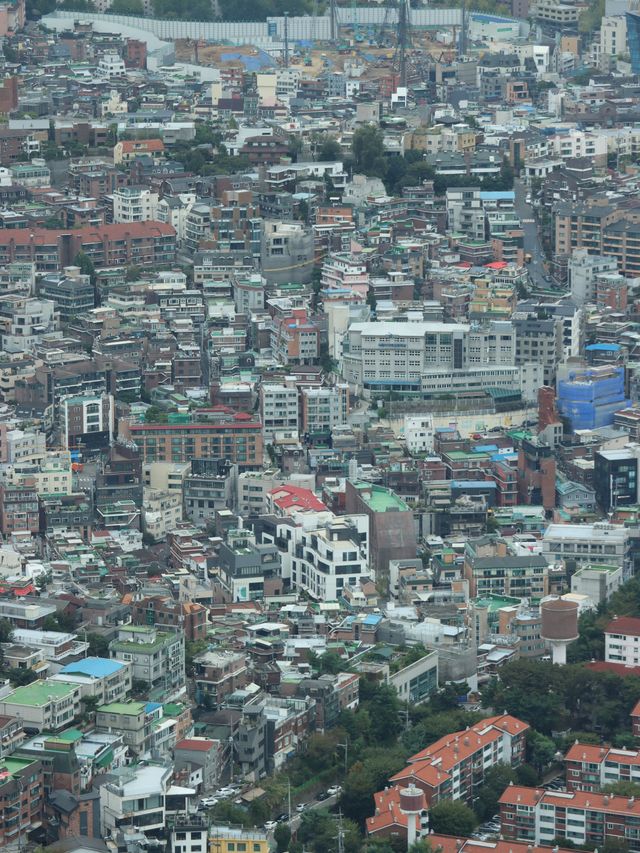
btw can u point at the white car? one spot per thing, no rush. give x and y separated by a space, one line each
335 789
207 802
270 825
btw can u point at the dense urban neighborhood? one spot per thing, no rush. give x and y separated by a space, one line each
319 426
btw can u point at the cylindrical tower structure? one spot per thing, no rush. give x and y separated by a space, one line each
411 804
559 626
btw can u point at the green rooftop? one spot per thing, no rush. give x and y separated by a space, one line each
15 765
495 602
128 709
380 499
39 693
603 569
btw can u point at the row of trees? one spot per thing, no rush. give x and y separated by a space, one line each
369 158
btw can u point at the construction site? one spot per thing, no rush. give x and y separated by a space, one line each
393 44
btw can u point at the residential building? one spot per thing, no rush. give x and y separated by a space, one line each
539 816
247 569
454 766
622 641
415 682
236 437
323 409
157 657
331 556
590 767
134 204
107 680
202 758
491 569
43 705
279 410
22 793
217 674
87 421
615 478
135 796
164 612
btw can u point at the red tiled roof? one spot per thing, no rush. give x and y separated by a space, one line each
635 711
620 669
587 752
624 625
608 803
388 812
196 745
451 844
287 497
129 146
118 231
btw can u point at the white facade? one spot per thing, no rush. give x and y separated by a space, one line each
23 321
621 646
587 544
418 433
279 409
324 409
583 269
161 512
334 555
432 358
580 143
134 204
50 475
613 35
111 65
138 793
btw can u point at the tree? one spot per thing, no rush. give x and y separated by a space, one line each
86 266
126 7
541 750
591 18
452 817
329 150
623 789
192 648
495 781
368 151
98 645
19 677
365 778
6 631
91 704
282 836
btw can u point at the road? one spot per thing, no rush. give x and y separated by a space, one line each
532 242
320 804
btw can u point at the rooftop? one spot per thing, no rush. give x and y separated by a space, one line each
40 693
380 499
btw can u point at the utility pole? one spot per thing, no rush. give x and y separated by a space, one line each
340 834
289 797
345 746
286 39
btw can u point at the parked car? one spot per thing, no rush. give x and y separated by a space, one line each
282 818
301 807
334 789
270 825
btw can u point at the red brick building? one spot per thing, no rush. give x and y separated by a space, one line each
163 612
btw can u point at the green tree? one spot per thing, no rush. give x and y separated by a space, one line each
98 645
329 150
126 7
540 750
591 18
192 648
6 631
368 151
282 837
623 789
19 676
365 778
452 817
86 266
495 781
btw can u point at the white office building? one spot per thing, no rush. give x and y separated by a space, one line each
134 204
279 409
431 359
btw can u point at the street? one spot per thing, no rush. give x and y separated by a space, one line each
532 243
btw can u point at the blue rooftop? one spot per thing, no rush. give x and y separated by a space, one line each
603 348
485 448
495 195
372 619
93 667
472 484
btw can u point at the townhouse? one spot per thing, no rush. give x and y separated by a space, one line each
589 767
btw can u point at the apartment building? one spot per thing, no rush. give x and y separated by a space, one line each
601 229
157 657
453 766
323 409
589 767
491 569
622 641
107 680
23 320
279 409
331 556
247 568
71 293
236 437
135 798
217 674
87 420
22 797
165 612
134 204
118 245
43 705
539 816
